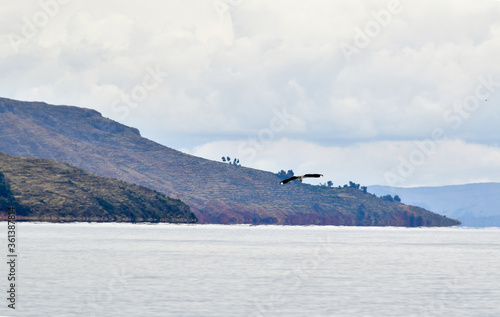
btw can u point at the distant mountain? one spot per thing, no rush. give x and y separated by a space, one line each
475 205
215 191
45 190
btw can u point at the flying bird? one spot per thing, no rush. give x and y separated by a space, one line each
300 177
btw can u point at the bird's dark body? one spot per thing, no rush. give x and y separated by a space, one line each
313 175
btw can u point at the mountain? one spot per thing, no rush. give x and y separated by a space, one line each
475 205
216 192
45 190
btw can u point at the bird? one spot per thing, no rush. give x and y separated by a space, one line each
300 177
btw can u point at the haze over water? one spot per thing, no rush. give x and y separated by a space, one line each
214 270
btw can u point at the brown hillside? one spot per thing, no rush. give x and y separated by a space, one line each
216 192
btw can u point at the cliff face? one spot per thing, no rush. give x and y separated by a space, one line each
216 192
44 190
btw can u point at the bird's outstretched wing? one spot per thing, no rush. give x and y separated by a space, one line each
288 180
313 175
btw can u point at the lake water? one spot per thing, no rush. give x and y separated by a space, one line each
214 270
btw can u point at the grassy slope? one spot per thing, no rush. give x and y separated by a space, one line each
54 191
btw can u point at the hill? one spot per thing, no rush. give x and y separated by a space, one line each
44 190
475 205
215 191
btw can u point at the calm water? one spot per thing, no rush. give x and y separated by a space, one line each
211 270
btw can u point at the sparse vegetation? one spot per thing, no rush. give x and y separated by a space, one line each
285 175
391 199
364 189
327 184
354 185
227 159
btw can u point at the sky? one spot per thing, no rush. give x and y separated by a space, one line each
398 93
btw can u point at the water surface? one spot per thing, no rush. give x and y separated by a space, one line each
214 270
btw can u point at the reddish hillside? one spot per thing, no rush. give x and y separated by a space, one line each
216 192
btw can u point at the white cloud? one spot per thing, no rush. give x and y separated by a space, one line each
447 162
228 68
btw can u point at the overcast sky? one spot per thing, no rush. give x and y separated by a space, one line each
403 93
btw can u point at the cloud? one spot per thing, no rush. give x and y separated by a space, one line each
449 162
229 65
